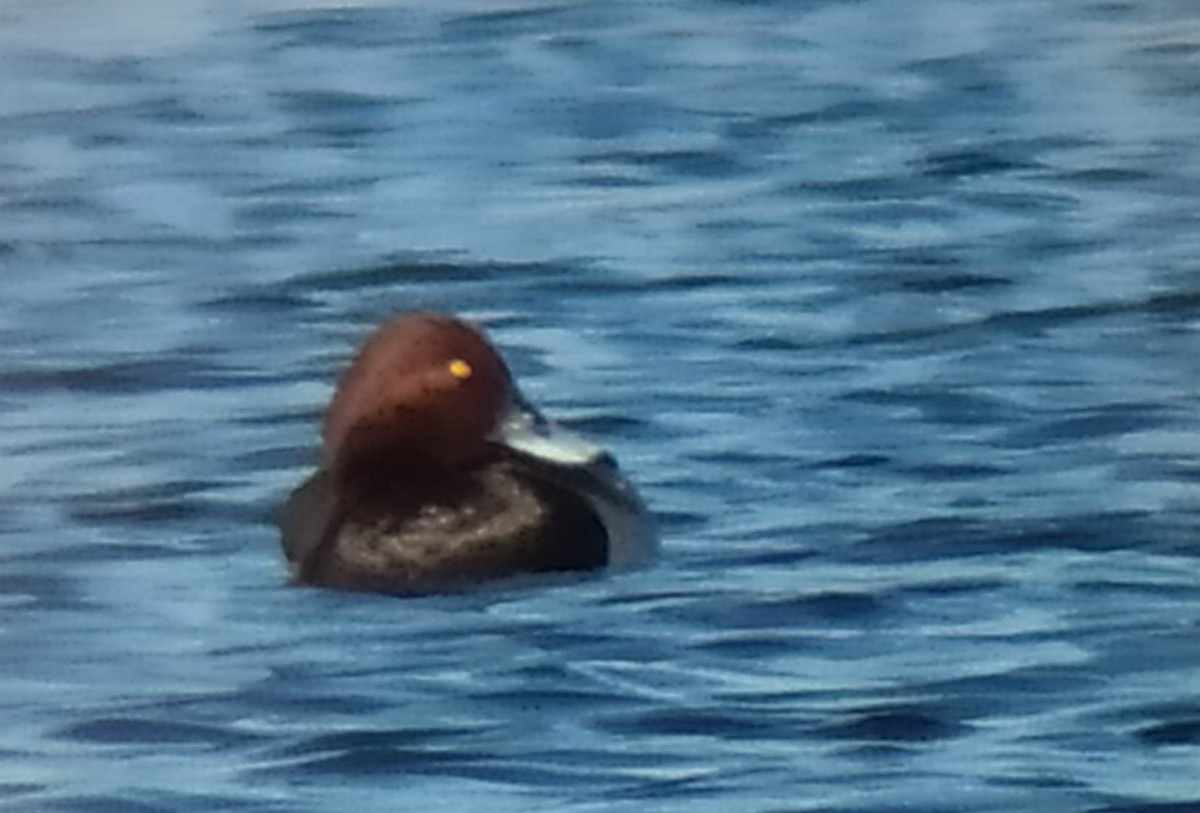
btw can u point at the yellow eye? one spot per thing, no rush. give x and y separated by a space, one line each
459 369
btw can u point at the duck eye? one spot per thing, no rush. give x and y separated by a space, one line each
459 369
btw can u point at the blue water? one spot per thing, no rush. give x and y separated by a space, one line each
892 310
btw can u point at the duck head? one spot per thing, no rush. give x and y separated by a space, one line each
428 396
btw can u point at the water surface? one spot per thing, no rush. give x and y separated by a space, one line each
891 310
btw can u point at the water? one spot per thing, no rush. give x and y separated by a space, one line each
890 309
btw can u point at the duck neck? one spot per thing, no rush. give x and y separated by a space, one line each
394 484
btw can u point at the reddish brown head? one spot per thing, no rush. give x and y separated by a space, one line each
421 396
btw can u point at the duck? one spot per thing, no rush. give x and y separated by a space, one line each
437 474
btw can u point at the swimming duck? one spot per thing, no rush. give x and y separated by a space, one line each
436 473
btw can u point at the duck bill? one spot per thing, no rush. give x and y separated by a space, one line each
524 430
544 450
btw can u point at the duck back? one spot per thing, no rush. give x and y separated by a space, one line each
504 520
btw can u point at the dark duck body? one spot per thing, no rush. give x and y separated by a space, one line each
437 474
